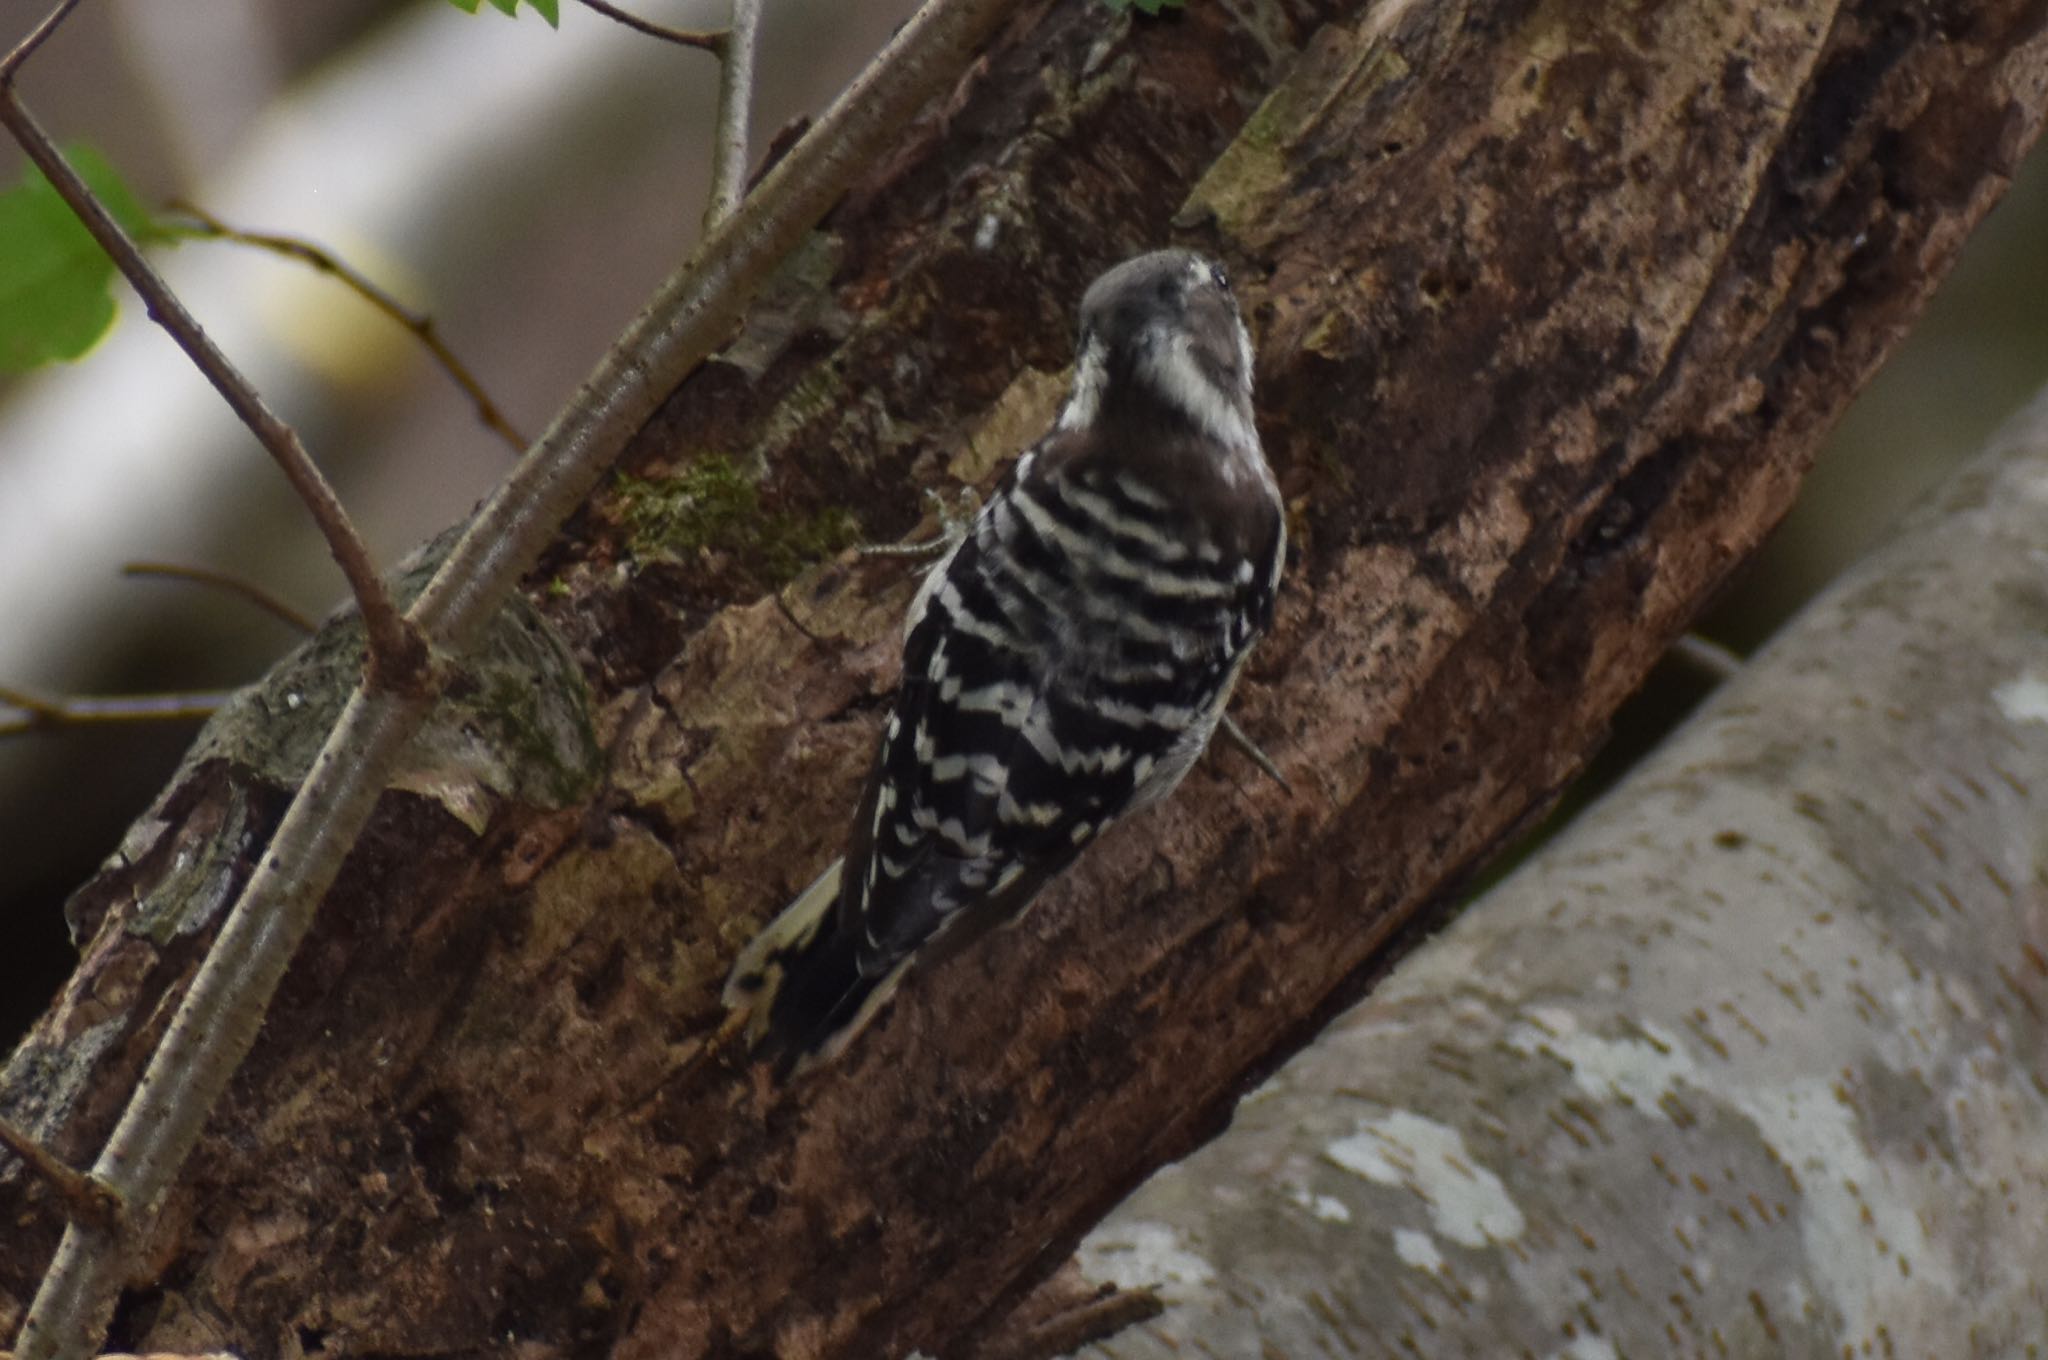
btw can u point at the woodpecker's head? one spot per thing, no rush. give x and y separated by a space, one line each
1161 336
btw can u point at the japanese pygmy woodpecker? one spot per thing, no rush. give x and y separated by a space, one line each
1063 665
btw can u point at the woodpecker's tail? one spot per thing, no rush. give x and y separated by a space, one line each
757 977
800 985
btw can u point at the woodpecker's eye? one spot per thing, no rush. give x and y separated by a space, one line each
1220 276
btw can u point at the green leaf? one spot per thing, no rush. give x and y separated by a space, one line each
54 298
550 10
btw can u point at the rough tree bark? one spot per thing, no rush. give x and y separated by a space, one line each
1553 303
1747 1063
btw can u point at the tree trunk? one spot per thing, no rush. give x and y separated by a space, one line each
1552 305
1747 1062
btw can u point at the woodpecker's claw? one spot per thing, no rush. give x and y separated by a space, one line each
953 527
1254 754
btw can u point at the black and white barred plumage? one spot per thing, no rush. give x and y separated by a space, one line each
1063 665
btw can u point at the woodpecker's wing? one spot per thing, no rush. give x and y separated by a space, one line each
1070 661
1065 663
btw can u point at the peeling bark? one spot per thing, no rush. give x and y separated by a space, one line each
1747 1062
1552 306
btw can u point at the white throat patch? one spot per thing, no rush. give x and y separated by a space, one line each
1178 380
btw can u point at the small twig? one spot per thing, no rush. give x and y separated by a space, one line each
220 580
398 654
1718 663
1079 1324
704 40
326 262
44 715
795 622
85 1199
735 104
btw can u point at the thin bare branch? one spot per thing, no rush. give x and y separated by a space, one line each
220 580
206 225
729 158
398 655
1710 658
691 314
704 40
85 1199
26 48
1080 1324
37 714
